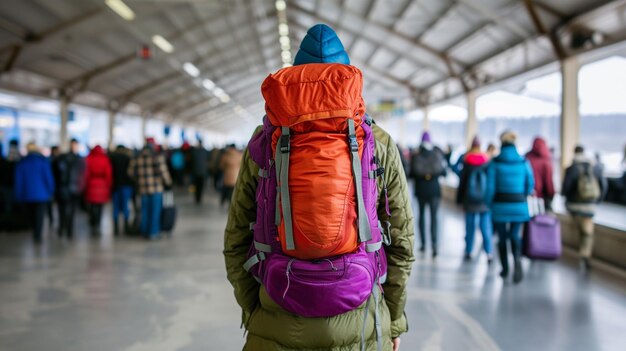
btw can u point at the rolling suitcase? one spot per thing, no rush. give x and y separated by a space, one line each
542 237
168 212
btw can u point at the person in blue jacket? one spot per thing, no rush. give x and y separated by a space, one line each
34 186
512 178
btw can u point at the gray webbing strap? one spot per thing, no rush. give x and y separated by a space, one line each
379 329
264 173
365 233
277 209
262 247
253 260
373 247
282 173
377 325
365 314
382 279
371 174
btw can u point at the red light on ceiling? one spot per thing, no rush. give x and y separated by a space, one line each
145 52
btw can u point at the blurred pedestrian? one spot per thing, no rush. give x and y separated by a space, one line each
98 184
7 177
427 166
230 164
541 162
512 178
34 186
200 169
150 172
69 171
475 193
582 189
122 187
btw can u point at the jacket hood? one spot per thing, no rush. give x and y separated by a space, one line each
540 149
97 151
508 153
476 158
321 45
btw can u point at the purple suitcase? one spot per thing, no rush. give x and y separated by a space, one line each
542 239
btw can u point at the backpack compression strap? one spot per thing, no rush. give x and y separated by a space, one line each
282 174
365 234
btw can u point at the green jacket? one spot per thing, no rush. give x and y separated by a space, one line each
272 328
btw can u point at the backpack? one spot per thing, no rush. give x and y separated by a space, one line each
587 185
428 164
477 185
317 233
178 160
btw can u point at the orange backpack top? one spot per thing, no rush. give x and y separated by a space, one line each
318 110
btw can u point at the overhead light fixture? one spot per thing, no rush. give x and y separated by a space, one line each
163 44
119 7
224 98
208 84
286 55
284 40
283 29
191 69
218 92
281 5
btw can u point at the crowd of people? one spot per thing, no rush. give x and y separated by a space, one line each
32 185
494 190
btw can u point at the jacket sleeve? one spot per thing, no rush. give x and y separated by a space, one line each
131 169
18 186
530 178
568 181
165 173
549 181
49 179
238 237
400 253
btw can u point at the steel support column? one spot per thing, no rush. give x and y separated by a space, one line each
426 118
64 113
471 125
111 127
570 115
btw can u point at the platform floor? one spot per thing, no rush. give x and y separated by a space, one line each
128 294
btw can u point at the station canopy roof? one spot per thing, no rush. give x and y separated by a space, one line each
203 61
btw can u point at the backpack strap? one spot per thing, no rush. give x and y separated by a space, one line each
282 174
365 233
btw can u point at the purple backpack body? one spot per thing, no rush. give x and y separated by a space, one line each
315 288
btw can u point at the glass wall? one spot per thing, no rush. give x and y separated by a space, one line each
602 93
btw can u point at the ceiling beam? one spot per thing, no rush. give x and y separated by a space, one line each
496 18
29 38
557 46
84 79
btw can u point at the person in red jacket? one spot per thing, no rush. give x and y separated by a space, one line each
98 184
541 162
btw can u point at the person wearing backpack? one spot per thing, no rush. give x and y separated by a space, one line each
474 193
427 165
300 285
69 176
582 189
512 179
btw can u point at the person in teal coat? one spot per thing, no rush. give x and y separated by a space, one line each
512 178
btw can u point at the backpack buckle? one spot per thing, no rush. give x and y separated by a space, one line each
354 145
285 145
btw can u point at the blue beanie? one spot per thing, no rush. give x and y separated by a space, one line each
321 45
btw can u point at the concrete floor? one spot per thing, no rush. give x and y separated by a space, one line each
128 294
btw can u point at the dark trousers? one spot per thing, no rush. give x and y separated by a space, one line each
36 214
67 208
227 193
198 182
509 232
433 205
95 215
